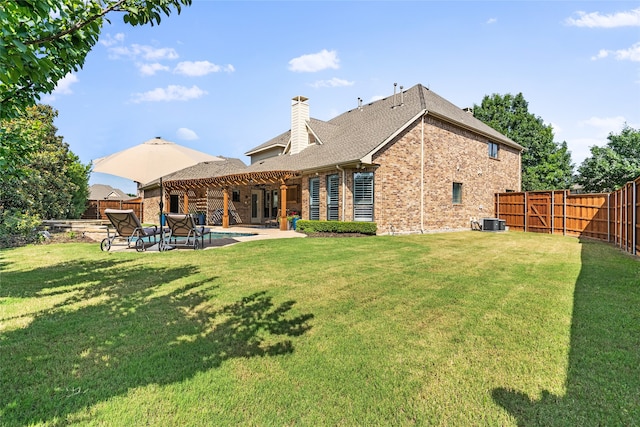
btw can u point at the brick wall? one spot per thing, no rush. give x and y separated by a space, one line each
451 155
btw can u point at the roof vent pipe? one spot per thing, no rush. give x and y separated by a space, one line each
359 103
394 95
401 96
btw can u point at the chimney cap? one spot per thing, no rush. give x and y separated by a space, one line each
300 98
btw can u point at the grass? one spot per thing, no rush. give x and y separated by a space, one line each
443 329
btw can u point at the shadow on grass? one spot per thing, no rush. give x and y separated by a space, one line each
603 378
127 326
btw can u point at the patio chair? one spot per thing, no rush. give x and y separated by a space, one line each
183 231
273 222
127 231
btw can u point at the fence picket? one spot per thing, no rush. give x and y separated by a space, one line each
611 217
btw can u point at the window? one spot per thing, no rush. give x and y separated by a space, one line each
292 193
314 198
332 197
493 150
363 196
457 193
235 196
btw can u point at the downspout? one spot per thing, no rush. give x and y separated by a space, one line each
344 189
422 177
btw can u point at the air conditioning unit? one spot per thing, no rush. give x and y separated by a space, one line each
493 224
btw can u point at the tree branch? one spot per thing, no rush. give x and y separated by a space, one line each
77 26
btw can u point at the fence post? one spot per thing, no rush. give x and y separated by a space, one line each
564 213
553 214
609 217
526 213
634 222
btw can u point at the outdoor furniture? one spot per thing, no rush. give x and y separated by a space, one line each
216 217
183 231
128 230
273 222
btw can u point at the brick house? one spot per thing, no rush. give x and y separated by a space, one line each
410 162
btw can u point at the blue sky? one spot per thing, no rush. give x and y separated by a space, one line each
219 77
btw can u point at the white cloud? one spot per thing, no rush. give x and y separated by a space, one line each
170 93
144 52
151 69
597 20
334 82
200 68
492 21
603 126
315 62
109 40
63 87
186 134
631 54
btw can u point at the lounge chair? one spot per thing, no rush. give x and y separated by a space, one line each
128 231
183 231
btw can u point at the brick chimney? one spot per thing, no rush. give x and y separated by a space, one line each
299 119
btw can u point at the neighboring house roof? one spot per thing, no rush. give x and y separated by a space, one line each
102 192
356 135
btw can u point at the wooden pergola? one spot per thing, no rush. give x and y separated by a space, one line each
240 179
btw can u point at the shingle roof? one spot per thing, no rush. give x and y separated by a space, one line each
356 134
208 169
103 191
226 166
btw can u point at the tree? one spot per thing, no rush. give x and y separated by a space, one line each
546 165
53 183
610 167
43 40
39 176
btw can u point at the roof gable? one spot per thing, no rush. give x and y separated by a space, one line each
357 134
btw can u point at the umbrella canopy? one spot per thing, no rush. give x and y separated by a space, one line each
150 160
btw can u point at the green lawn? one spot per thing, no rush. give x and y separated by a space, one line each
441 329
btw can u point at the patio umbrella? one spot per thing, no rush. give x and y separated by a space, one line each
150 160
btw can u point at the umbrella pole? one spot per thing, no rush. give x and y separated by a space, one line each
161 209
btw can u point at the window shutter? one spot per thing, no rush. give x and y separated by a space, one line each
363 196
332 198
314 198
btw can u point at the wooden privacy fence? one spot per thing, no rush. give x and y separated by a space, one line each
95 208
612 217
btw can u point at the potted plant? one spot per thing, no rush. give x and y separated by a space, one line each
292 218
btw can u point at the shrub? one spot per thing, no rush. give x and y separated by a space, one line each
18 229
309 226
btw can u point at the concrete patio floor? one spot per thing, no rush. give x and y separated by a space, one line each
258 233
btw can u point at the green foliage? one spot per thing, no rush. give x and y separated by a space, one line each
546 165
17 229
46 179
610 167
43 40
309 226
